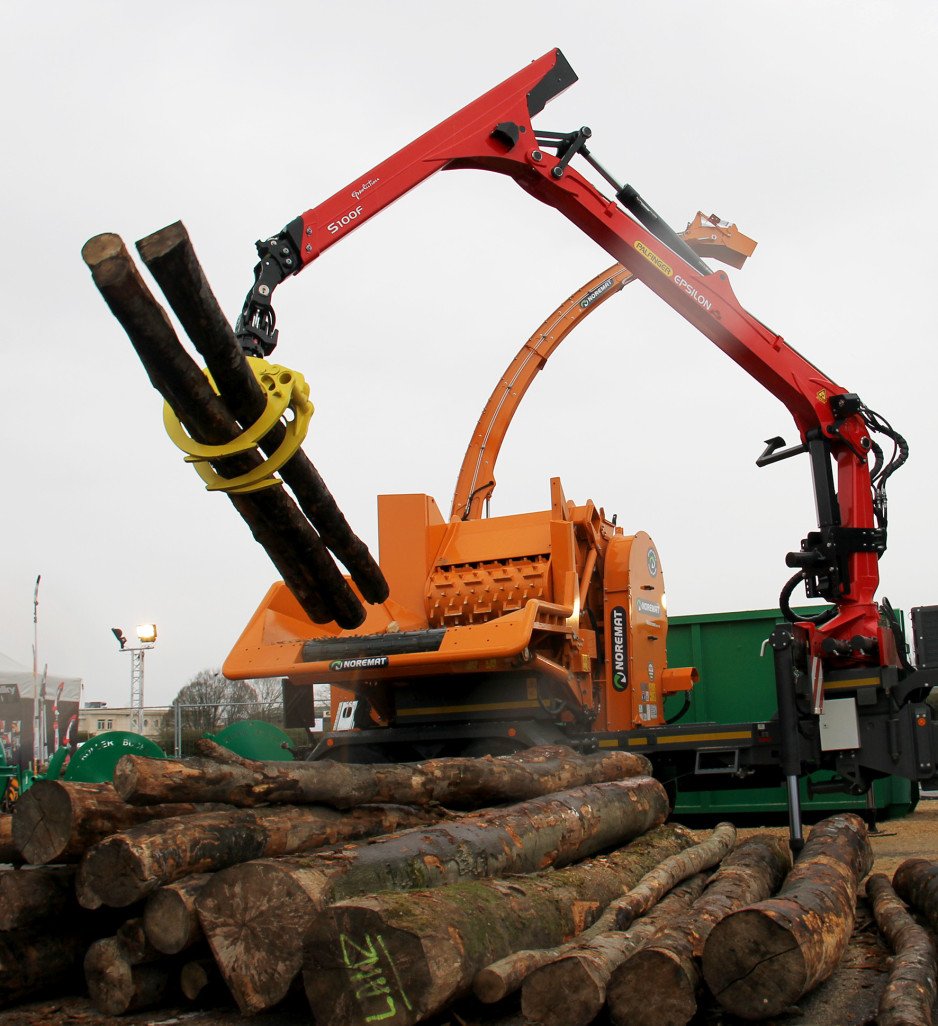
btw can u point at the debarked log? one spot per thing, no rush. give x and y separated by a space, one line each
507 974
764 957
463 782
170 257
170 917
909 995
572 988
127 866
401 957
117 987
31 894
255 915
57 820
668 966
274 519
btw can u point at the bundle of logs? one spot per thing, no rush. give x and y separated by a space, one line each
389 892
300 533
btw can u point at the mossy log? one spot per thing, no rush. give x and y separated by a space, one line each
226 777
127 866
763 958
507 974
170 917
58 820
909 996
170 257
33 894
401 957
668 966
255 915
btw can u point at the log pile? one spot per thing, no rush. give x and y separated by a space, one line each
564 889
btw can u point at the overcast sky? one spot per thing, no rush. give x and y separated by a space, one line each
809 124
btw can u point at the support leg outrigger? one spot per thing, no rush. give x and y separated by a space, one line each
781 641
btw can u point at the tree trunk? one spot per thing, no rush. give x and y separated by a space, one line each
401 957
668 966
9 853
572 988
170 917
910 991
126 867
507 974
29 895
57 820
171 259
460 781
762 958
916 882
117 987
274 519
39 961
256 914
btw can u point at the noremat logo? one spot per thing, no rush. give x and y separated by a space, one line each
620 677
594 294
361 663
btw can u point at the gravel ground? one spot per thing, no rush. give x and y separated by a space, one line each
848 998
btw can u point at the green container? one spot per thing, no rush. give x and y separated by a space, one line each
254 739
95 760
737 684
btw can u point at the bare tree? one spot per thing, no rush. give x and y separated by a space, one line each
211 701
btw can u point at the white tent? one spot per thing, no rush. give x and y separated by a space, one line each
12 673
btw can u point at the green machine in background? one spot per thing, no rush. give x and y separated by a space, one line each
737 683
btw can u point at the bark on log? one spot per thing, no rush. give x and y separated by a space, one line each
117 987
127 866
34 961
170 917
762 958
171 259
274 519
29 895
507 974
399 958
224 776
668 966
910 991
256 914
9 853
916 882
57 820
572 989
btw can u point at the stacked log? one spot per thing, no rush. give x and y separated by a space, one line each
764 957
388 912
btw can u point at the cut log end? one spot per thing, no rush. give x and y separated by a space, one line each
651 972
753 965
360 980
571 989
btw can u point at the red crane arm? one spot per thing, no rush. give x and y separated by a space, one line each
495 133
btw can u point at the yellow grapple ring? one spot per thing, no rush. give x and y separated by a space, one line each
284 390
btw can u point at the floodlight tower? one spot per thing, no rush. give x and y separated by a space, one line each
146 634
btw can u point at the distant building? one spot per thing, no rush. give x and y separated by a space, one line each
98 717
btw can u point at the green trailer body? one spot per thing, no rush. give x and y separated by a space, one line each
737 684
